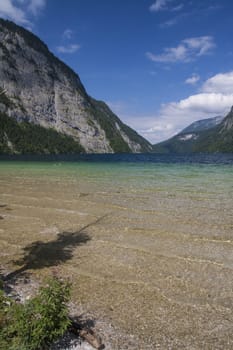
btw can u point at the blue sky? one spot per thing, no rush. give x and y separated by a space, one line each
159 64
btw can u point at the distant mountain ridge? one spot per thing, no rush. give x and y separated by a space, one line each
207 135
218 139
39 89
203 124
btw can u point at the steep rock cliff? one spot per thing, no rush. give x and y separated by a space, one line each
42 90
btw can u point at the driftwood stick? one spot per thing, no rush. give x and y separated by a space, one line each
87 334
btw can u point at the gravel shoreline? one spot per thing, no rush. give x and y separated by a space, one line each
23 288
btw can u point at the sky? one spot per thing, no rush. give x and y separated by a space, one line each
158 64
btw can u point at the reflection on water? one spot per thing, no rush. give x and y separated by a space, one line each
159 264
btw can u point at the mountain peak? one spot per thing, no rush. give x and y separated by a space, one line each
206 135
44 91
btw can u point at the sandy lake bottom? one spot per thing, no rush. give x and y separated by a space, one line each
148 247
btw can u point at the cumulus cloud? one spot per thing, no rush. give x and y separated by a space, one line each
199 105
186 51
160 131
71 48
214 98
175 116
193 79
220 83
19 11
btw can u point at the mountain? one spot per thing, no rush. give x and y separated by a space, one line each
218 139
203 124
206 135
40 93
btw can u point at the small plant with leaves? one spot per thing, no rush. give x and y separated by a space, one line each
37 323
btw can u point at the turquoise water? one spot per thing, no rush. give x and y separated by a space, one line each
136 176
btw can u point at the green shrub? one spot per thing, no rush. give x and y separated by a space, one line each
39 321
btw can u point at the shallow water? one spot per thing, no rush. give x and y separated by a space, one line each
158 258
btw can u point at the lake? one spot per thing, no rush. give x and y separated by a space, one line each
146 240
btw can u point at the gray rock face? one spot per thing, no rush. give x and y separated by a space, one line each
44 91
203 124
228 121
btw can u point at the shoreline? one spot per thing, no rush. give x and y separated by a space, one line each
24 287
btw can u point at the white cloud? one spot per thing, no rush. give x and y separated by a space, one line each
202 44
178 7
153 127
22 1
199 104
180 114
19 11
160 131
67 34
214 98
186 51
9 11
175 116
220 83
193 79
159 5
169 23
162 5
35 6
172 54
68 48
